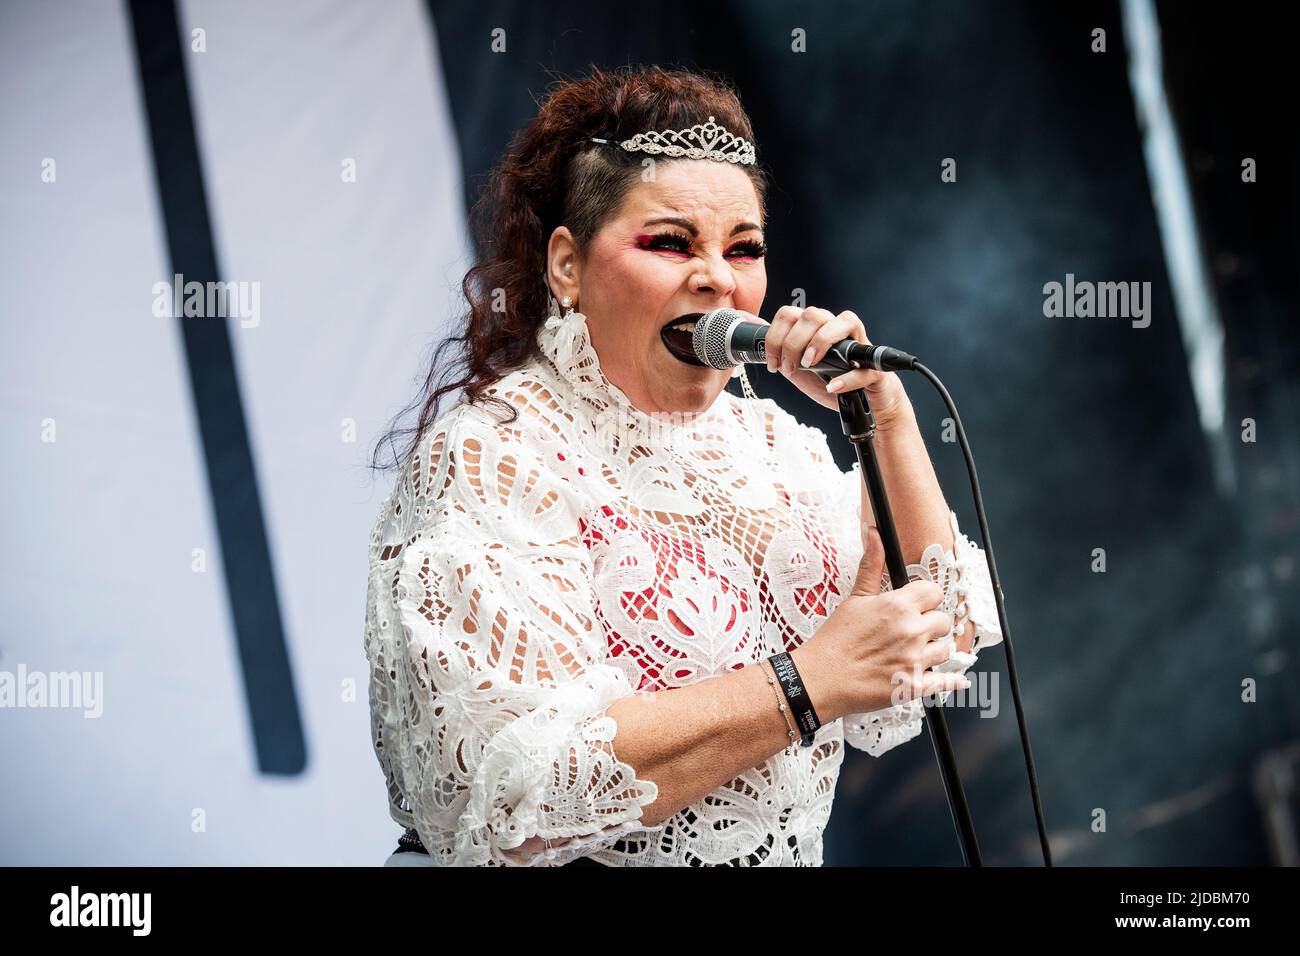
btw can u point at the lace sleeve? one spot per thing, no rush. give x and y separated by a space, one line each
961 572
963 575
490 671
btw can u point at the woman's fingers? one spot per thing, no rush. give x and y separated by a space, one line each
925 683
795 344
846 325
922 594
936 624
799 338
778 328
936 652
934 683
872 565
858 378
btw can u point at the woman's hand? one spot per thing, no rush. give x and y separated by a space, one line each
801 337
876 650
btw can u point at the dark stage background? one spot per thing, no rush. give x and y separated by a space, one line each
1086 431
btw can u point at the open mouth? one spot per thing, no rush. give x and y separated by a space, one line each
678 336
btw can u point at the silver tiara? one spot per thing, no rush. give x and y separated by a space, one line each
701 141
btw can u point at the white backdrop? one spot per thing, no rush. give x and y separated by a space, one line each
356 281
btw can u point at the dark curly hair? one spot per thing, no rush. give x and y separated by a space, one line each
552 175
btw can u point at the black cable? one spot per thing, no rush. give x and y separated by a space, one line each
1002 611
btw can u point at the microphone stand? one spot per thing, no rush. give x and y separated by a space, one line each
860 428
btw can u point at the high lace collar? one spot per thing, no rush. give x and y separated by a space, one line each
566 342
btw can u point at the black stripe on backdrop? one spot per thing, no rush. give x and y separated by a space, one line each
268 680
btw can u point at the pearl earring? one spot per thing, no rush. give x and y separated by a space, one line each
744 383
567 302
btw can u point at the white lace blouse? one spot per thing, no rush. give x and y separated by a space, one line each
525 576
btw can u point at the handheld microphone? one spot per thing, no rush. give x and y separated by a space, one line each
725 338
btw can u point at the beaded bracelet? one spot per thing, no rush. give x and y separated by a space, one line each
780 703
797 695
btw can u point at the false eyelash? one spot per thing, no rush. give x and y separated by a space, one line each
675 242
753 248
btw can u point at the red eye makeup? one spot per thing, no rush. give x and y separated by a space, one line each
678 244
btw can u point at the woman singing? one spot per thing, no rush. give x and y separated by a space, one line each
618 614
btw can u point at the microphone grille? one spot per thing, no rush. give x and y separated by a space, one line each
712 338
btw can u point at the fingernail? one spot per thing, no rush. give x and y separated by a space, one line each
807 356
834 385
